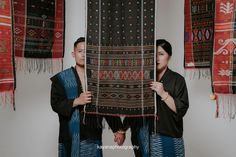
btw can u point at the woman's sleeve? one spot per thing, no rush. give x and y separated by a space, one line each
59 102
181 98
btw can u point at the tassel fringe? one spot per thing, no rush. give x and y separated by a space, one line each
226 106
193 74
43 65
7 99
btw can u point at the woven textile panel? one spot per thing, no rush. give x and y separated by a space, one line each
199 29
224 57
7 75
224 61
39 30
120 56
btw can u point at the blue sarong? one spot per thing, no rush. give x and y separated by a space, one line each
143 139
90 148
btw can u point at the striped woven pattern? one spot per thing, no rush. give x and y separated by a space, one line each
120 56
7 75
199 29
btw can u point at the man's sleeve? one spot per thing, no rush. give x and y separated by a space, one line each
59 102
114 123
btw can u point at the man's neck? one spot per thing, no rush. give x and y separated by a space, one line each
79 69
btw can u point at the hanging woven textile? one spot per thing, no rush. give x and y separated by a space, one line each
120 56
198 39
224 58
39 35
7 74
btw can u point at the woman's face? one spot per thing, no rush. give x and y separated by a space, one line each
162 59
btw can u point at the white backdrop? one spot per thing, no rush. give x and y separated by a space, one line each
32 130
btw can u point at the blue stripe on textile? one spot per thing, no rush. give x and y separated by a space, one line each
68 80
165 146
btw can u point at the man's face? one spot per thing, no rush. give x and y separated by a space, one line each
79 54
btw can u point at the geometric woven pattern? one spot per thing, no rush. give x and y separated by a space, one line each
39 28
120 56
199 29
39 34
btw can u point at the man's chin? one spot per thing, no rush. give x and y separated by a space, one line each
80 65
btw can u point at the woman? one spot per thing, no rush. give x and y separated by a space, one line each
172 104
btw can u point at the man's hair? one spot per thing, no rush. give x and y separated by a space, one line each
79 40
165 45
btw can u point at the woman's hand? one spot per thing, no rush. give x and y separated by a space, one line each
158 87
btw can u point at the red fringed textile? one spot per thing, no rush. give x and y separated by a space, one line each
120 56
224 58
39 34
7 75
198 41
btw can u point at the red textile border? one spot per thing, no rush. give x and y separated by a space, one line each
188 46
7 75
58 45
199 25
224 45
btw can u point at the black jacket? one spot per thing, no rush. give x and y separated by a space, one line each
91 129
170 123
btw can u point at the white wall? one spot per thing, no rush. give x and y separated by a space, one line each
32 130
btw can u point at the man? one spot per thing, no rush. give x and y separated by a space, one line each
68 97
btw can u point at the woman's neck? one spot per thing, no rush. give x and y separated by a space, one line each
160 74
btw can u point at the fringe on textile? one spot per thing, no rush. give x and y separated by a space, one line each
39 65
200 73
225 106
7 99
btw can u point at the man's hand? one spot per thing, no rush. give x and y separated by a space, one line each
119 137
83 99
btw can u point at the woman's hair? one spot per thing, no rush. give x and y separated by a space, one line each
165 45
79 40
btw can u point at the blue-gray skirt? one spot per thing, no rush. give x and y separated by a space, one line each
159 145
166 146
